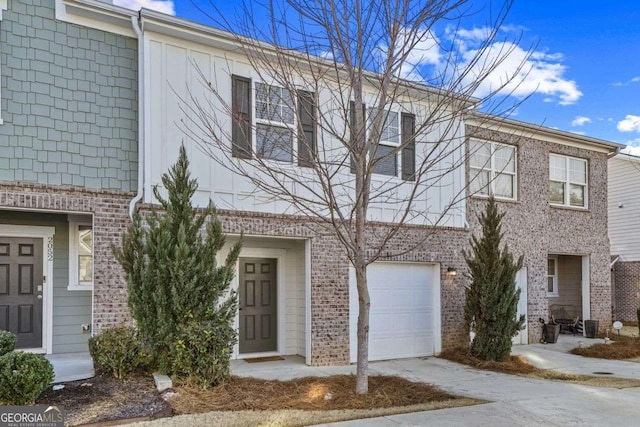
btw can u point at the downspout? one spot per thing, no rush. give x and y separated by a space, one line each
135 22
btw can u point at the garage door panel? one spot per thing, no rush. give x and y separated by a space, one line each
402 318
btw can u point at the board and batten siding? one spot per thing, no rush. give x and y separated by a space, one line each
171 72
71 309
624 224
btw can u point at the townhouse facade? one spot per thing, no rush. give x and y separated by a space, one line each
93 107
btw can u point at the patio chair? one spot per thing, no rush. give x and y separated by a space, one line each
566 316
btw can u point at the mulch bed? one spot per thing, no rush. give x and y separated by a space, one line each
311 393
621 347
102 399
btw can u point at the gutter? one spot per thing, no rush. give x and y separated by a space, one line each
135 22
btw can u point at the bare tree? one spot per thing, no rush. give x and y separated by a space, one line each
342 79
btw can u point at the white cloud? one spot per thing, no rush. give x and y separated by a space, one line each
630 123
633 147
516 73
163 6
513 71
580 120
423 50
635 79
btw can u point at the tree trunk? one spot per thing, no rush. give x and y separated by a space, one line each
364 303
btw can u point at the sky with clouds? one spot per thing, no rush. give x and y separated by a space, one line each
582 74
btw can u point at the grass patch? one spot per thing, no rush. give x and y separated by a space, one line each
621 347
518 365
336 392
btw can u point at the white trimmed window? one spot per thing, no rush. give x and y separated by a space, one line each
568 181
275 116
493 169
389 141
80 255
552 276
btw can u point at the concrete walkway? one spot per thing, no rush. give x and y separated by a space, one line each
557 357
71 366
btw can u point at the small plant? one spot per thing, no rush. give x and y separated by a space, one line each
202 352
23 377
7 342
117 351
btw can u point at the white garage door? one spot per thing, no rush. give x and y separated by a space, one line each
405 310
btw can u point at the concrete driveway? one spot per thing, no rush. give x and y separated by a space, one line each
514 401
518 401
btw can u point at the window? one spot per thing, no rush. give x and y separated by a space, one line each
273 116
80 255
389 140
552 276
492 169
568 181
396 128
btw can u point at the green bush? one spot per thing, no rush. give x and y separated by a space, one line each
179 292
201 353
7 342
117 351
23 376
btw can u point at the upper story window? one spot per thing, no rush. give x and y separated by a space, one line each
273 116
389 140
568 181
80 255
398 130
274 123
493 169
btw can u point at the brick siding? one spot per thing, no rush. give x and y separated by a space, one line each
627 290
535 229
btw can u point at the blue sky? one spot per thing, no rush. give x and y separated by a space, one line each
585 74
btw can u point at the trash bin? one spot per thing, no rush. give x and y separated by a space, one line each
591 328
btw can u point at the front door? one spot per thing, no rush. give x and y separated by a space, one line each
258 305
21 280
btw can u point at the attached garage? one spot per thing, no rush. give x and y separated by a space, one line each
405 310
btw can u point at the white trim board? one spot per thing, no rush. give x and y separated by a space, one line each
46 234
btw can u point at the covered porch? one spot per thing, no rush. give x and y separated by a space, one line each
568 291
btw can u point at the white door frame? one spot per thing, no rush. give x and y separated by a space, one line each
46 234
586 290
279 255
521 283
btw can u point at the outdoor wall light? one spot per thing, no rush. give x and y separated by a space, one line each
451 271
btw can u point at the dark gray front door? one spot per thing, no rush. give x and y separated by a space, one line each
258 305
21 289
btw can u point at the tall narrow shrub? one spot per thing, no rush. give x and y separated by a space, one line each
491 304
178 292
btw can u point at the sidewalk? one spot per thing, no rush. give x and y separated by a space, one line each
557 357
